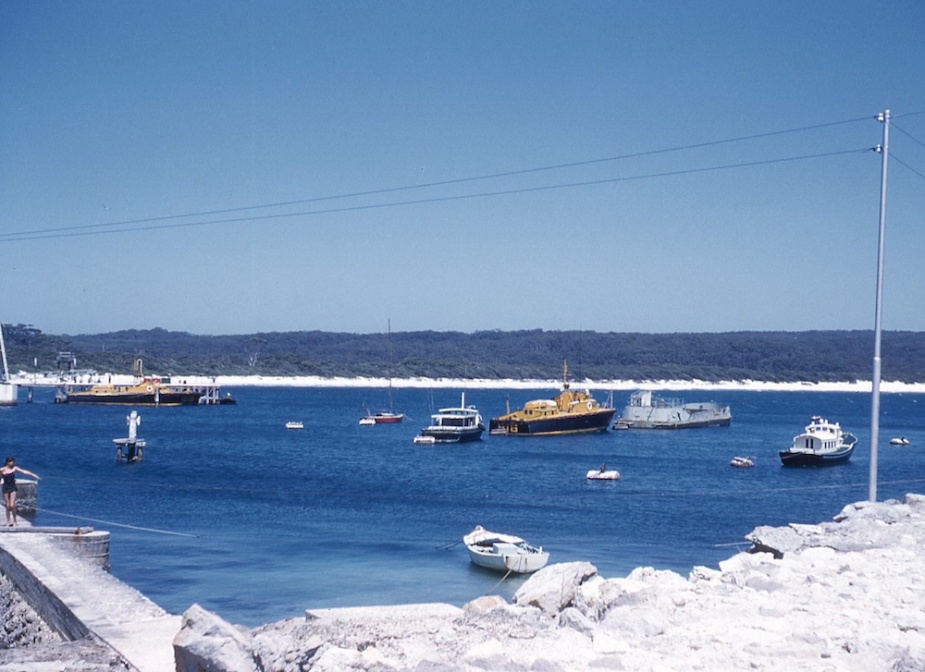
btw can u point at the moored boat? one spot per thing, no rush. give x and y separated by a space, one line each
822 443
570 412
141 391
144 392
646 410
602 473
381 418
503 552
457 424
389 417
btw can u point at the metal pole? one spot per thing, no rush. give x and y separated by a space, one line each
884 149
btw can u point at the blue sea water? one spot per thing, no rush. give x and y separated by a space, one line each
234 512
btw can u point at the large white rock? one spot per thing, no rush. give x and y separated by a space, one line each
206 643
554 587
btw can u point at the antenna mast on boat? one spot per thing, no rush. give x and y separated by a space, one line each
884 150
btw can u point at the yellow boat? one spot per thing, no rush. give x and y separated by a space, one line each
569 412
142 391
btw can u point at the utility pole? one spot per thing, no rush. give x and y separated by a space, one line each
884 151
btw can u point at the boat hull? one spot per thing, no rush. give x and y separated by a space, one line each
133 399
442 435
387 418
503 552
572 423
515 563
792 458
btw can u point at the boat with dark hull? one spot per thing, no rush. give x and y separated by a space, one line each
146 392
141 391
646 410
454 425
570 412
822 443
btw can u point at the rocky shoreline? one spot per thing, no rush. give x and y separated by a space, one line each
848 595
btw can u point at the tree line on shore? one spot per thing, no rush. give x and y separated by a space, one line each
771 356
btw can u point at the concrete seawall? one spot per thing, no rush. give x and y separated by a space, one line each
62 576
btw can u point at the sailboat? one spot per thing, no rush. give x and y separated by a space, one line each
389 417
8 390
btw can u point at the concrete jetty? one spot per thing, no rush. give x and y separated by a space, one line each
83 604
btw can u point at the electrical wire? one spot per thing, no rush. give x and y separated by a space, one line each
907 134
895 158
71 233
428 185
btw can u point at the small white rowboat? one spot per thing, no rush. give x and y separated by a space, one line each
503 552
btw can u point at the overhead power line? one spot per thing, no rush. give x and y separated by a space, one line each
905 165
43 235
37 233
907 134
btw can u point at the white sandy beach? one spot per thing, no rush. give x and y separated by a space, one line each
861 386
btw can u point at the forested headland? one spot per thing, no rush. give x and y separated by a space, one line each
779 356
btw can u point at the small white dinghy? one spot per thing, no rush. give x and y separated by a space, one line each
503 552
602 473
899 441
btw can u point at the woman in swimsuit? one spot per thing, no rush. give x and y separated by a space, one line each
8 472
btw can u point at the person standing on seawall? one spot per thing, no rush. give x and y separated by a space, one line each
8 472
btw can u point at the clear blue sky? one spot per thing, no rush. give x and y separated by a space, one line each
121 120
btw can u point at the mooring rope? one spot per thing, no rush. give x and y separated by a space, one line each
109 522
490 590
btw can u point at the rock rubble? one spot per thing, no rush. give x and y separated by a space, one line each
848 595
29 644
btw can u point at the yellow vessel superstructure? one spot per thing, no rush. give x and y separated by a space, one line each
569 412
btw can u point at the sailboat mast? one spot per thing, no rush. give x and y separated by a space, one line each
6 369
884 150
391 409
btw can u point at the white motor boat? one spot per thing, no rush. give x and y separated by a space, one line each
742 462
821 443
899 441
503 552
295 424
458 424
